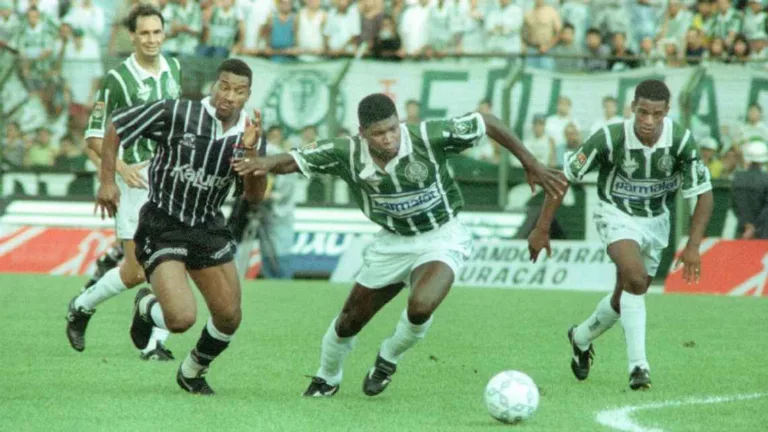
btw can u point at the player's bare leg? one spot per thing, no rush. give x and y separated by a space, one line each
430 283
630 300
361 305
128 275
220 287
581 337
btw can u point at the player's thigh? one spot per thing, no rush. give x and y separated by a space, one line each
630 263
170 285
131 272
430 284
362 304
220 287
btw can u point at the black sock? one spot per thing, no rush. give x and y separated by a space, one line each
208 348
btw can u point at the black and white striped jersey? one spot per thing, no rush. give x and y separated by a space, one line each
191 172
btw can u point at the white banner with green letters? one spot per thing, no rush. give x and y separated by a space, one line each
298 95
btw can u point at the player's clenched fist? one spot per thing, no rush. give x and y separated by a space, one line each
107 199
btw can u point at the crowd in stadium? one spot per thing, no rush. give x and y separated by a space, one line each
62 44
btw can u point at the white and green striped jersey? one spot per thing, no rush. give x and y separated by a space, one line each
415 193
640 180
223 27
128 85
189 15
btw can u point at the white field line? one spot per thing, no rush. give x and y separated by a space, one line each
621 418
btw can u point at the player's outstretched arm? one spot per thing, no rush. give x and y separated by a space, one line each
553 181
283 163
108 197
539 237
690 258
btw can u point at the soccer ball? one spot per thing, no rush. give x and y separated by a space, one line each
511 397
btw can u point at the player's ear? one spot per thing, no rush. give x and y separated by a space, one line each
361 130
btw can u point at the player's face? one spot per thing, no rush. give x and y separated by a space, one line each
610 108
230 94
149 36
649 116
383 137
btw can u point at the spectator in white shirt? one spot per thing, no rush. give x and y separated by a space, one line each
754 19
342 28
504 27
613 18
444 27
413 28
473 39
576 12
675 22
754 129
610 115
557 122
82 71
46 7
256 13
540 143
309 38
89 18
9 23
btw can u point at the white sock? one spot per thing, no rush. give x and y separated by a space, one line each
107 287
633 320
332 353
602 319
159 336
155 315
406 335
190 368
216 333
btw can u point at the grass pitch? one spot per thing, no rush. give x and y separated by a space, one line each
698 346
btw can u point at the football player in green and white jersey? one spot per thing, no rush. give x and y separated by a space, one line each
144 76
641 164
400 179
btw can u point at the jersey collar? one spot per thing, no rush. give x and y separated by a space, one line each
140 73
633 143
238 128
370 167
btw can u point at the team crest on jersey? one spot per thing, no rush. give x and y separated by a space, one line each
416 172
629 166
171 88
188 140
666 163
580 160
98 110
701 169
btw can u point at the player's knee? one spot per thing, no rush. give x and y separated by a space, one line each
179 323
420 310
131 275
228 321
636 283
348 324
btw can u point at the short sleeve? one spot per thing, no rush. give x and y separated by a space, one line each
322 157
141 121
454 135
695 174
587 157
110 97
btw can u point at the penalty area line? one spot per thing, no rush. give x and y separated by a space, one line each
620 419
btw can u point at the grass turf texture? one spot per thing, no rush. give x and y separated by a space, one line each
439 386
